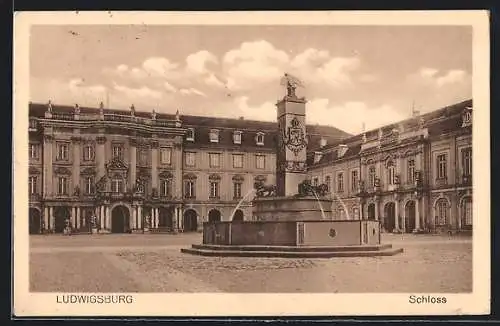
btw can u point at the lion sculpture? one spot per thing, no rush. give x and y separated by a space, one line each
305 188
262 190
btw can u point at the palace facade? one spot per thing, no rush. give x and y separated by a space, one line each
412 175
133 169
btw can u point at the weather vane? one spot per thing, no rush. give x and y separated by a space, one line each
291 82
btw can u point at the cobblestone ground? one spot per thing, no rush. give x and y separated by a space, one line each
153 263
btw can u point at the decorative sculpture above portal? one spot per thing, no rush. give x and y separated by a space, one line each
49 106
77 109
153 115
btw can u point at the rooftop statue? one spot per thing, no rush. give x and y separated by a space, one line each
291 82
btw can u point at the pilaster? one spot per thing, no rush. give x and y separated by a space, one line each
101 157
133 162
48 143
76 161
154 164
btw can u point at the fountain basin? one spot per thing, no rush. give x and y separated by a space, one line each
293 239
292 208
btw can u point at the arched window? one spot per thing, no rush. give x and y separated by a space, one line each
391 171
441 209
328 182
371 176
467 212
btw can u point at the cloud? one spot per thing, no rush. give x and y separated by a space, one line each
138 93
435 78
214 81
264 112
321 111
192 91
453 76
310 57
368 78
169 87
158 66
254 62
197 62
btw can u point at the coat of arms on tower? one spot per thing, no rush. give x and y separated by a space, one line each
294 137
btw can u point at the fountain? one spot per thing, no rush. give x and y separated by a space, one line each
293 218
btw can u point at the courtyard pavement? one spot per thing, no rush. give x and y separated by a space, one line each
154 263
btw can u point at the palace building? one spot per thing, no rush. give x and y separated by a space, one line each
412 175
135 169
132 168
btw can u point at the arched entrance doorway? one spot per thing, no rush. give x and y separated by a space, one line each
371 211
410 216
389 217
35 221
190 220
61 214
120 219
214 215
165 217
238 216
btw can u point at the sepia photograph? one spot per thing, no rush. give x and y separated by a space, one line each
226 158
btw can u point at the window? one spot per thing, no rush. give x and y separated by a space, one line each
143 156
260 162
340 182
190 159
165 188
441 212
371 176
328 181
441 166
467 161
214 189
165 155
214 159
237 161
33 151
315 181
467 212
117 185
89 185
214 135
237 189
237 137
411 170
33 185
117 152
189 189
62 186
354 180
190 134
62 152
391 172
260 139
88 152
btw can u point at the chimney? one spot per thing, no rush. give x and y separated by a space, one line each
341 150
322 142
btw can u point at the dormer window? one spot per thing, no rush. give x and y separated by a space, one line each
260 138
190 134
467 117
214 135
237 137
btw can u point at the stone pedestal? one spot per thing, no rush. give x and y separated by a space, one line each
292 209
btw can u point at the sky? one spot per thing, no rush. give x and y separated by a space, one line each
352 75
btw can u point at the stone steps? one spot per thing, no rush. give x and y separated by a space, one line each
293 254
291 248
